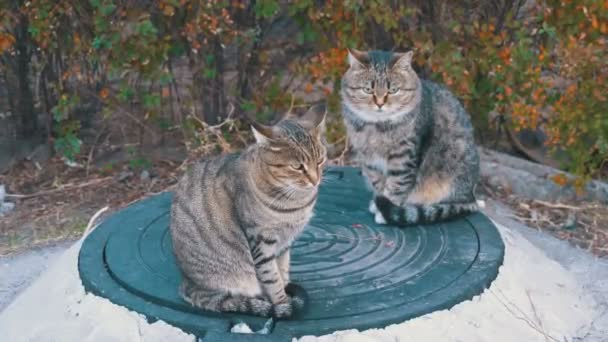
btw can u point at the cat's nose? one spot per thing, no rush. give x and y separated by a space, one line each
314 179
380 100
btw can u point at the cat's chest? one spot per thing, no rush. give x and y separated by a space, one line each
373 144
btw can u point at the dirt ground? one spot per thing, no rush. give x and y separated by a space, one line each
54 202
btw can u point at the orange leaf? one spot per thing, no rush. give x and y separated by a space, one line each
6 41
308 88
560 179
104 93
168 10
165 92
594 23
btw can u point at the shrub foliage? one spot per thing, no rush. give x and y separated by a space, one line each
181 65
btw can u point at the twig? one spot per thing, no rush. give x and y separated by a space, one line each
92 221
90 156
122 110
538 320
522 318
557 205
63 188
293 100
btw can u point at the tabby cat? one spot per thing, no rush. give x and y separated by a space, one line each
412 137
235 216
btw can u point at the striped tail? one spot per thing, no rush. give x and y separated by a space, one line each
411 214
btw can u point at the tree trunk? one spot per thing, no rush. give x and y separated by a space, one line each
24 101
211 89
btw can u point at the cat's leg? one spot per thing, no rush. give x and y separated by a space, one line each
283 263
268 273
296 294
401 169
376 180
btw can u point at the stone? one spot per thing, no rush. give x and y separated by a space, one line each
124 175
145 176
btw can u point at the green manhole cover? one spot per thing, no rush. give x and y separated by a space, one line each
358 275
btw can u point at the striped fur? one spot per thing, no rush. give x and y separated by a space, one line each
421 213
413 139
235 216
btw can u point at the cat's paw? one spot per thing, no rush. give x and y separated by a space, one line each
261 307
297 295
297 303
372 207
379 219
283 310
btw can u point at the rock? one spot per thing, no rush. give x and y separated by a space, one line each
144 176
124 175
6 207
41 153
570 223
532 180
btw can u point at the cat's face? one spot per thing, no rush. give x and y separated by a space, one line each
292 150
380 85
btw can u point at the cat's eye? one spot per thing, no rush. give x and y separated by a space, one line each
298 167
368 88
393 90
320 162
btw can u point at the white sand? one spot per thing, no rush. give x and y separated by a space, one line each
534 298
56 308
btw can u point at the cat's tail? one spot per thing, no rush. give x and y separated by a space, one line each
229 302
411 214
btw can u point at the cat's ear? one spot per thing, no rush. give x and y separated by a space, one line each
357 59
316 115
263 134
312 119
402 60
316 118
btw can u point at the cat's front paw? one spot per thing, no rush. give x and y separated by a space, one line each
283 310
289 307
372 207
379 219
297 295
384 206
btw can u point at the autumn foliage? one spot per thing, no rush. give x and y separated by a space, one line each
537 65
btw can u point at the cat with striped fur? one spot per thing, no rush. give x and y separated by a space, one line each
234 217
412 137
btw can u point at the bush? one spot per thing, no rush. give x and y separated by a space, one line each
168 65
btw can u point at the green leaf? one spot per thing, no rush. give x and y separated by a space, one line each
165 78
266 8
248 106
209 73
107 9
151 101
146 28
125 93
68 146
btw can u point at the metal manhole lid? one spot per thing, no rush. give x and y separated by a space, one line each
358 275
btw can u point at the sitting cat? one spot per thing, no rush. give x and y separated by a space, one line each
412 137
235 216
